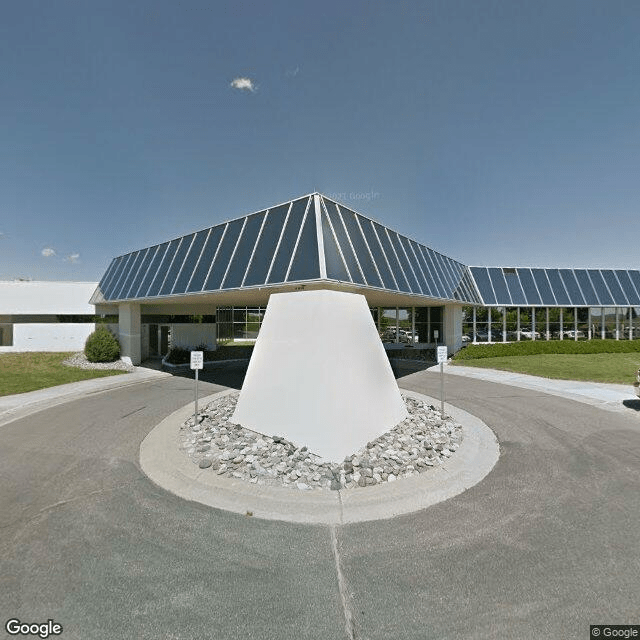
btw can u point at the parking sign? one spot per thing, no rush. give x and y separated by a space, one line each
197 360
442 354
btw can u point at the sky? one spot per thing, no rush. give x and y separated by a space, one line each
500 133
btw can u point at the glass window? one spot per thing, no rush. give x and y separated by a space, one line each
601 288
225 251
635 278
427 269
106 278
499 286
438 262
175 267
414 266
513 284
447 269
134 274
394 265
572 287
441 283
481 277
528 286
419 266
343 241
207 258
117 280
414 287
627 286
360 247
559 291
540 276
335 267
142 272
614 287
305 264
152 270
266 247
154 289
377 253
588 291
288 241
191 261
242 255
118 265
469 287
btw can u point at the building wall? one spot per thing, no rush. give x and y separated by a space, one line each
49 337
192 335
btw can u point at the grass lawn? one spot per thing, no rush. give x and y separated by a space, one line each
22 372
596 367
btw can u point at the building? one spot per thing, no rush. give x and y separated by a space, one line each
45 316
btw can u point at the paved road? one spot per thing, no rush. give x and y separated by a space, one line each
545 545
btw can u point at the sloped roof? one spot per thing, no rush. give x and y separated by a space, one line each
311 238
511 287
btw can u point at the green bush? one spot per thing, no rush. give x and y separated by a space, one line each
534 347
102 346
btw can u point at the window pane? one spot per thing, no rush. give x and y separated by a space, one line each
540 276
190 261
614 287
558 288
114 287
528 286
481 277
178 261
152 270
206 259
240 260
377 253
632 295
335 267
394 265
154 289
266 246
106 278
288 242
116 271
600 287
430 273
499 286
438 261
306 265
419 266
225 251
404 262
588 291
364 258
635 278
343 241
513 284
142 272
571 285
134 274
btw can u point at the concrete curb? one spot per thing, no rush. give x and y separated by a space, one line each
171 469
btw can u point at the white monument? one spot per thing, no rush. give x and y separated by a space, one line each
319 375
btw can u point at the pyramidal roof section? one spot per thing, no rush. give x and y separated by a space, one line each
311 238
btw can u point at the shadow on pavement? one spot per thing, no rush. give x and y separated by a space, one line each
632 404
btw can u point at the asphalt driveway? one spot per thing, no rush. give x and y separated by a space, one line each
544 546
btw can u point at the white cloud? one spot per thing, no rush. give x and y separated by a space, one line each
73 258
47 252
244 84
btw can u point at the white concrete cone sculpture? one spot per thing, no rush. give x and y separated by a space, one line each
319 375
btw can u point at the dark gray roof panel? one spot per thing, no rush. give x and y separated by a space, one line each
633 296
206 259
572 287
342 238
336 269
284 252
559 291
588 292
243 251
481 277
305 264
190 262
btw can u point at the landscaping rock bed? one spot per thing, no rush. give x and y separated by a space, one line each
79 360
419 443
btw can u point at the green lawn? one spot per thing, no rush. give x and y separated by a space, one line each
22 372
596 367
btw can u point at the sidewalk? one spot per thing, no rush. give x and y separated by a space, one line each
612 397
23 404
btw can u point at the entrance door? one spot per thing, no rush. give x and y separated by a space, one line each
153 340
165 337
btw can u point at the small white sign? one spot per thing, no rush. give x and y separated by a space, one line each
197 359
442 354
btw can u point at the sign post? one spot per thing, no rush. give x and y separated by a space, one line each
197 363
442 358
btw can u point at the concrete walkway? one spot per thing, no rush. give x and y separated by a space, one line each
612 397
21 405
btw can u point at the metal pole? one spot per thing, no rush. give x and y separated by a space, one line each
441 391
195 419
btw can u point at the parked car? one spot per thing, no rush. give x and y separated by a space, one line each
571 334
527 334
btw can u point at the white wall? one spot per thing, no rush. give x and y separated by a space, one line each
59 336
192 335
41 298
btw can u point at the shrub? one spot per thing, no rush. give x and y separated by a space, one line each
178 355
533 347
102 346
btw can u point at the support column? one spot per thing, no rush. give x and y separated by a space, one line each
575 324
474 325
518 326
603 335
533 323
489 336
504 325
589 323
547 331
129 330
617 323
561 324
630 323
453 327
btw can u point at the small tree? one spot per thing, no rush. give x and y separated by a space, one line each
102 346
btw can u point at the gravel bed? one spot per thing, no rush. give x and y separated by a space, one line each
79 360
419 443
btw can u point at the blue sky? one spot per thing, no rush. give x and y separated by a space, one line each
499 133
